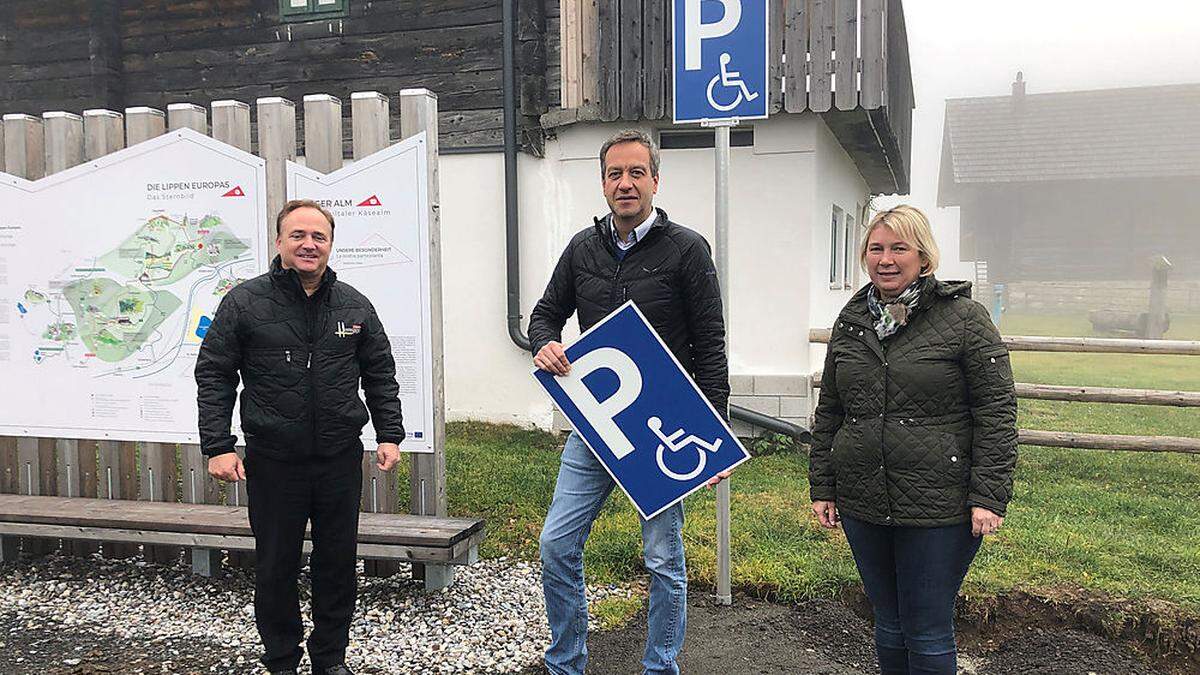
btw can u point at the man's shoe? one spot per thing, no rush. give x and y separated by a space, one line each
339 669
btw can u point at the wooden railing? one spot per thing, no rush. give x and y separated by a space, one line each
824 55
1048 392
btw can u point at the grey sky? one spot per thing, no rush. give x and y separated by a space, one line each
962 48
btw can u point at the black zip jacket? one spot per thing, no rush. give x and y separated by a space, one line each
669 274
301 359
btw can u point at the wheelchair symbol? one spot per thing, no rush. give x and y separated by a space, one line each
729 78
673 443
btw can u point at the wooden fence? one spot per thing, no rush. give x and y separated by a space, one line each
32 147
1047 392
824 54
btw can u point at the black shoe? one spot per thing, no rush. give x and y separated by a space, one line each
285 671
339 669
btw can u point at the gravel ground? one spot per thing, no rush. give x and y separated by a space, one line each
490 621
68 616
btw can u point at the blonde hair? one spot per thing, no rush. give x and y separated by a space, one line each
911 225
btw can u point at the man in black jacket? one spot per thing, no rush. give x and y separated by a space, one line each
634 253
301 342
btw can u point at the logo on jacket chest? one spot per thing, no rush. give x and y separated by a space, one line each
346 331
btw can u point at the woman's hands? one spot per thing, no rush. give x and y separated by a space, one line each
983 521
826 513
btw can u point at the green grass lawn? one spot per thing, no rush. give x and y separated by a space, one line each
1127 524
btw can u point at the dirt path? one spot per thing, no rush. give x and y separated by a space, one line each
826 638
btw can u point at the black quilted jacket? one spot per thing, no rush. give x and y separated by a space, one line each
300 360
916 430
669 274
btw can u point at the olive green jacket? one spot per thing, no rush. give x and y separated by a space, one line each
917 429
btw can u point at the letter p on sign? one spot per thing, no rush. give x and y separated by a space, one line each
601 414
696 31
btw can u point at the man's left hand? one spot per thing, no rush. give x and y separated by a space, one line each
386 456
712 482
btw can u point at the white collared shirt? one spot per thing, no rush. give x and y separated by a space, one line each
636 234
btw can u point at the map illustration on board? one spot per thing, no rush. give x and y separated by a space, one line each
132 308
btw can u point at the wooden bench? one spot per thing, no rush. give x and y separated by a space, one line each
437 543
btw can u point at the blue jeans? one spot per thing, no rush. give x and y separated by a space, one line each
912 576
582 487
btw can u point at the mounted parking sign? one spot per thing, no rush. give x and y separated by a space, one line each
720 57
641 415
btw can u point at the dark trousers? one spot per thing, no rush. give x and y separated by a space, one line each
284 498
912 576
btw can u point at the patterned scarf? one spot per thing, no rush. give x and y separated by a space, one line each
891 316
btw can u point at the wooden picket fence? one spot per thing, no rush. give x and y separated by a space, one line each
1047 392
32 147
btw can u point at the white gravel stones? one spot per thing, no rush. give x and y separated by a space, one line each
492 620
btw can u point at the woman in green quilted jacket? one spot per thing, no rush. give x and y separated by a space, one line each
914 440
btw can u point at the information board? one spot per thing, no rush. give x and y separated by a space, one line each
380 206
110 273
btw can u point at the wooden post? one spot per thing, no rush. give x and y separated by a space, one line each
322 132
820 36
427 475
64 140
276 145
608 60
654 59
369 124
1157 318
64 149
845 42
103 132
157 476
115 480
631 75
871 83
589 67
142 123
187 115
795 45
776 11
25 156
32 466
24 146
231 123
569 24
199 488
10 547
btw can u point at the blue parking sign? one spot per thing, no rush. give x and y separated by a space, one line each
720 59
641 415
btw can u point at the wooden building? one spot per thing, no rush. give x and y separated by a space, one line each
1078 192
79 54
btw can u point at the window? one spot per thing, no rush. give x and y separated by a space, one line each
684 139
837 238
850 246
307 10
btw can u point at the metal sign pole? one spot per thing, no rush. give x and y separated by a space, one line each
722 127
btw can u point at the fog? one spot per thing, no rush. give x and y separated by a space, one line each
969 49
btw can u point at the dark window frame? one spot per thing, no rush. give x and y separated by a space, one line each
312 11
692 139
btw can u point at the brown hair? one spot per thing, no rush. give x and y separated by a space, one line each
294 204
631 136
